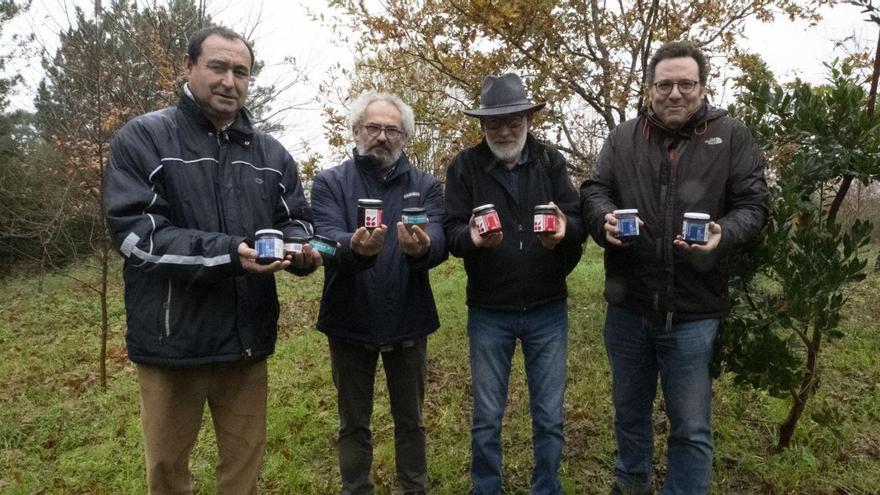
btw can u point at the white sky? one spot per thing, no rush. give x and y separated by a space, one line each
285 30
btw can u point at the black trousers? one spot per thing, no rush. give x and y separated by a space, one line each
354 373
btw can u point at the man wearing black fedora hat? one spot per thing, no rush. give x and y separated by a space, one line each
516 277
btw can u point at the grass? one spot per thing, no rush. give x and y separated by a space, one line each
60 433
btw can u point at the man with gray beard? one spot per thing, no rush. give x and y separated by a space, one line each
516 275
377 297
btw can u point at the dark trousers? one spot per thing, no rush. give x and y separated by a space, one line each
354 372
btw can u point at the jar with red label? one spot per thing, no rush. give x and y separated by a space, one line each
545 219
370 213
486 219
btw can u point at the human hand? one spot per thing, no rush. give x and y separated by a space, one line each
366 243
248 258
611 230
711 243
549 241
308 259
415 243
488 241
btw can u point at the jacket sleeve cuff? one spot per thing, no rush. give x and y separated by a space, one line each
235 259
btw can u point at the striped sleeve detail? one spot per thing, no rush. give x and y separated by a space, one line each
129 249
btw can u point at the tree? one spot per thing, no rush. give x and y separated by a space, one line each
587 58
789 302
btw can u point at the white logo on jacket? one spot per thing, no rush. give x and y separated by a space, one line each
713 141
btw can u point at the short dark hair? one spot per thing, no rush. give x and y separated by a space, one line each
678 49
194 50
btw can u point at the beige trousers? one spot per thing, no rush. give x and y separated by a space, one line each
172 406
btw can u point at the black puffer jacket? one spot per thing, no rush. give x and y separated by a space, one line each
710 165
387 298
519 273
179 199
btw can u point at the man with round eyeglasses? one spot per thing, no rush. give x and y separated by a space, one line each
377 300
666 296
516 289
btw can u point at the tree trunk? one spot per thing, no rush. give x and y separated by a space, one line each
808 388
838 198
105 324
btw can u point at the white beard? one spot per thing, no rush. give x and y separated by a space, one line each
508 153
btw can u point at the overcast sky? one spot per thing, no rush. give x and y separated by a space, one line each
285 30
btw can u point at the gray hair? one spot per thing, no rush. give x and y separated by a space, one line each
363 101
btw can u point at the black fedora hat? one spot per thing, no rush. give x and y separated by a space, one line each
503 95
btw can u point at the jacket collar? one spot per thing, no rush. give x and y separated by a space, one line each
241 128
373 168
700 118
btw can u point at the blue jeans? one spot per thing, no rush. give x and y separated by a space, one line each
543 332
638 349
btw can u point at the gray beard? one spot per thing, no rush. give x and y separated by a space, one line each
385 163
508 153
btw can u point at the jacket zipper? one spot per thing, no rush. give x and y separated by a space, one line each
168 312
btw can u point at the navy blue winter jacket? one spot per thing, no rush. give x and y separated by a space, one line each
180 198
387 298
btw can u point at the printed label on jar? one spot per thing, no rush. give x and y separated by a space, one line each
545 223
293 247
488 223
372 218
270 248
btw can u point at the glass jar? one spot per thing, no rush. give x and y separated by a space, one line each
269 244
414 216
486 219
545 219
627 223
695 228
369 213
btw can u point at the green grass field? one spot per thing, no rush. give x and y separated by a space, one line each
60 433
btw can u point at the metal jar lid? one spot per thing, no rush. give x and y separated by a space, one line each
696 216
483 209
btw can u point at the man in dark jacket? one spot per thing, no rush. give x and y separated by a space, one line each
377 296
187 187
516 277
666 294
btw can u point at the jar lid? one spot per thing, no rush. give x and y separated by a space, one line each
270 232
369 202
545 207
631 211
483 208
415 210
697 216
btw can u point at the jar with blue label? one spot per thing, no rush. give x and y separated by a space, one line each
324 245
695 228
269 245
414 216
627 223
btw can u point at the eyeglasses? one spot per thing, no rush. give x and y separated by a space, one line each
685 86
374 130
511 122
